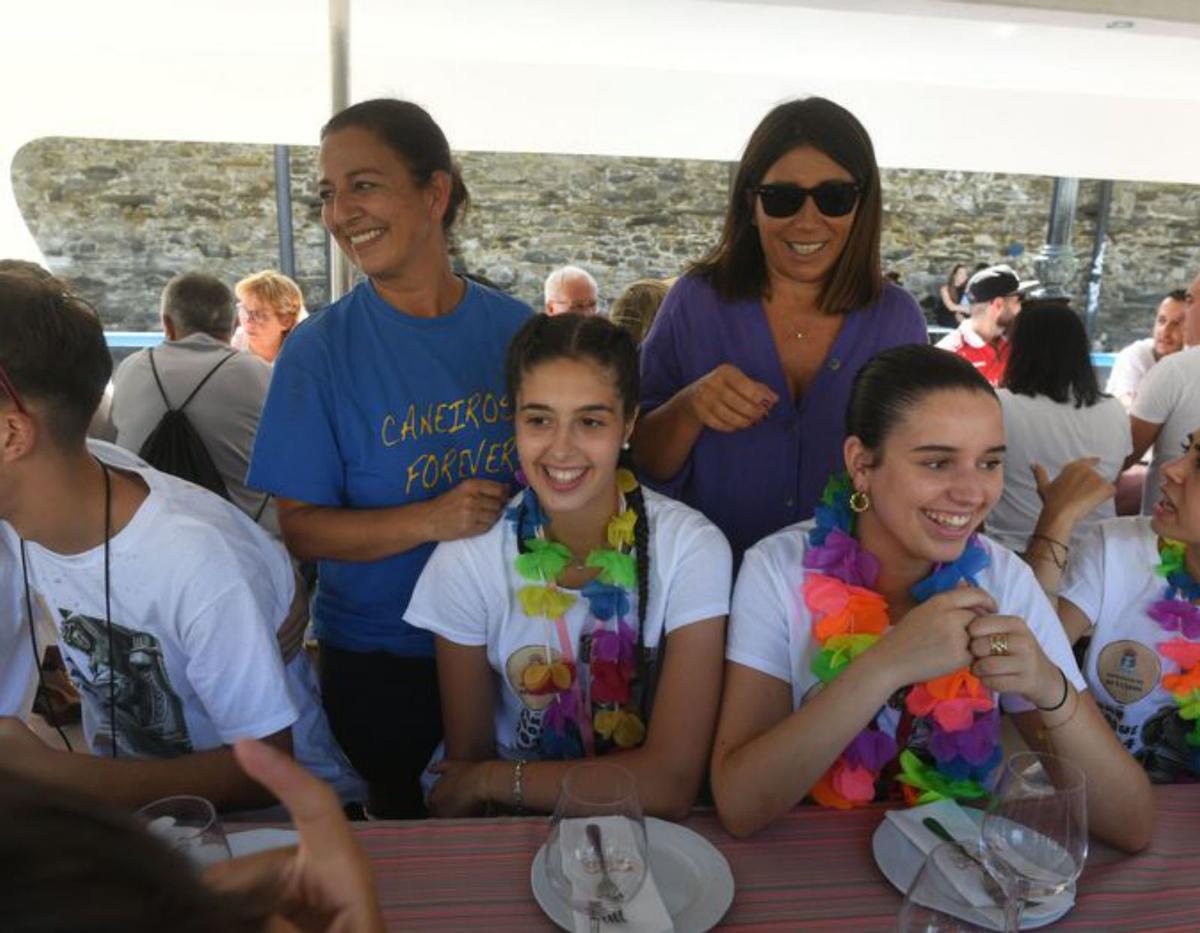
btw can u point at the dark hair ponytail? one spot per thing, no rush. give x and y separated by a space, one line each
894 381
409 131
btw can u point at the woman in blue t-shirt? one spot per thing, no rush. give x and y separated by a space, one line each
387 428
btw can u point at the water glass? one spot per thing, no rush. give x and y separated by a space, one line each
933 904
1035 836
596 850
190 826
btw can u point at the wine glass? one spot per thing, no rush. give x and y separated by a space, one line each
1035 836
596 851
190 826
933 903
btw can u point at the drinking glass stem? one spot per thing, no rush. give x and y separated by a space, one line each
1014 904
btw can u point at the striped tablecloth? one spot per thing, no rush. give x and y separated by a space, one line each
811 870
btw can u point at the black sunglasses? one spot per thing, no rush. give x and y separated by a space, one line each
833 198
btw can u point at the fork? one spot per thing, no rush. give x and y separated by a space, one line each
990 885
607 889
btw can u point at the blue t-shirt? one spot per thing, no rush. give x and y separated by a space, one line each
370 407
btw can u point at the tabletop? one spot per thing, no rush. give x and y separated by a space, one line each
810 870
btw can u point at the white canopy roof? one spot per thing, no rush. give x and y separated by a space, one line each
949 85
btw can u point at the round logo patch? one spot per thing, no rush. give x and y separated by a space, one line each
1128 670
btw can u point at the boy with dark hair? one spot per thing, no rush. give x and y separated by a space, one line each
167 599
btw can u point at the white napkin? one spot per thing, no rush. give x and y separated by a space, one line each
984 911
969 881
645 912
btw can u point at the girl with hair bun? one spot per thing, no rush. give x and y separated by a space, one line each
872 650
386 430
590 620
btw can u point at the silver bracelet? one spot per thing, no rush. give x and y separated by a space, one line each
518 786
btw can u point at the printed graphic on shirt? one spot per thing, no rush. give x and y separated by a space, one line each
1128 670
535 673
149 715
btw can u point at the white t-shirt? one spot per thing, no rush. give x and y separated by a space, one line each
1111 580
770 629
1170 396
467 594
1040 430
1131 364
18 670
197 592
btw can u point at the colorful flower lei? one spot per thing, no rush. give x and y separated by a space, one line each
958 714
593 708
1177 612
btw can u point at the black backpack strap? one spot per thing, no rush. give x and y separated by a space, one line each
158 382
262 508
207 376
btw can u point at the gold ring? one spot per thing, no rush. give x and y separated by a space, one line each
998 645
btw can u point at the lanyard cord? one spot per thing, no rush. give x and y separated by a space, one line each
112 661
37 661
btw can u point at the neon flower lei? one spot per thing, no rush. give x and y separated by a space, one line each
956 713
592 709
1177 612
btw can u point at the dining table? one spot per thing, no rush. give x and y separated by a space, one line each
811 869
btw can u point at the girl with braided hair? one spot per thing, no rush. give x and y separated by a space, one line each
590 620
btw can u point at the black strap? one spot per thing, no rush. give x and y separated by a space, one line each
262 508
161 391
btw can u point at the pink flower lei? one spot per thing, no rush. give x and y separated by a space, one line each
957 713
1176 612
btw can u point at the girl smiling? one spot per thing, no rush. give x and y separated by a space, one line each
866 651
591 619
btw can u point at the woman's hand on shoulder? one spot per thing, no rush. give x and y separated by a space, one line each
931 640
1007 658
728 400
469 509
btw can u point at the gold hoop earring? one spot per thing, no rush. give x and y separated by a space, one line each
859 502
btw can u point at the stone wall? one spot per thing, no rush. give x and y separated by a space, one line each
119 218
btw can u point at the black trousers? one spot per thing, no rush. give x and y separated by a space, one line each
386 712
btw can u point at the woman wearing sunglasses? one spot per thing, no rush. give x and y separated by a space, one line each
746 372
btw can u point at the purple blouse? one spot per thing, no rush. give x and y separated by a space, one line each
751 483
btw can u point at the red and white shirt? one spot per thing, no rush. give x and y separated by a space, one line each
991 359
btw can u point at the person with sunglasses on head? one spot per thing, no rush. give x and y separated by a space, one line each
387 429
270 305
746 371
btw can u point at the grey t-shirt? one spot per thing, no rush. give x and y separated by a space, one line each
225 413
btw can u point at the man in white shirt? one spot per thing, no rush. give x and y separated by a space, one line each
167 600
198 318
571 289
1167 406
1135 360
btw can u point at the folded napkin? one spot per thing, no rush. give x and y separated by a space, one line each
980 907
645 912
969 882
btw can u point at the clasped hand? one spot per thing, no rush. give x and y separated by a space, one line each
956 629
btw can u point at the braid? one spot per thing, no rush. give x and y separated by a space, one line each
641 544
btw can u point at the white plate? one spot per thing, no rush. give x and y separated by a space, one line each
692 876
900 860
249 841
